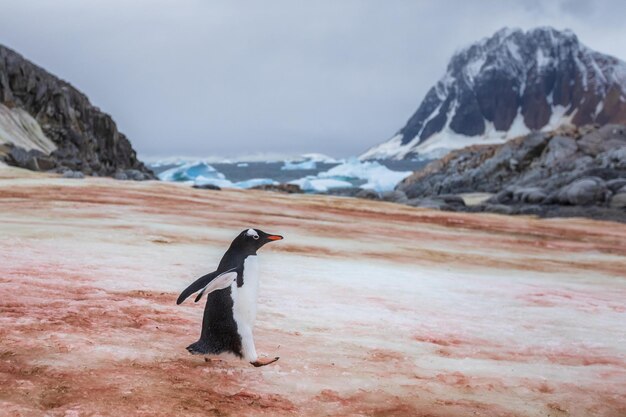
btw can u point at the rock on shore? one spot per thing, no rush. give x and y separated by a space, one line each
47 124
568 172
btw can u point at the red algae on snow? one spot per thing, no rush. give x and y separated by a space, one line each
375 309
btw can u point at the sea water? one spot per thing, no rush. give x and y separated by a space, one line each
311 175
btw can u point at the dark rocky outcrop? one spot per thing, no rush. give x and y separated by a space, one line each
568 172
207 187
512 83
280 188
67 131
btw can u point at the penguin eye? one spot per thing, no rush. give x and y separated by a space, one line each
255 237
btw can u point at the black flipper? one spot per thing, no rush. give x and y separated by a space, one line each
218 283
200 284
197 285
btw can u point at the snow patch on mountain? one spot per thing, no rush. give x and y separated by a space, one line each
18 128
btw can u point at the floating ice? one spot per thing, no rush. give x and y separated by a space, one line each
190 171
255 182
201 173
320 157
320 185
347 174
289 166
224 183
378 177
220 182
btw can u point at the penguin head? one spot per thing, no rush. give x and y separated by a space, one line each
251 240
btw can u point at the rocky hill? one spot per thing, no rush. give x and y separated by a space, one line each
46 124
509 85
569 172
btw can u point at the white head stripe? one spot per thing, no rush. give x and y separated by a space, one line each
252 232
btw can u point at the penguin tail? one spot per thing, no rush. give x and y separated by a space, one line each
200 347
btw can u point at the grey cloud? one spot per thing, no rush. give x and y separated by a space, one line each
234 77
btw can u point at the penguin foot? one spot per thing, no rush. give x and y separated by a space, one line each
260 362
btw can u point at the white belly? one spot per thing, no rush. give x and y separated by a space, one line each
245 297
244 306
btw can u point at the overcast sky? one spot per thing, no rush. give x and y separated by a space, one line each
202 78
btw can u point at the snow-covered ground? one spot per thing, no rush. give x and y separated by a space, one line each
374 308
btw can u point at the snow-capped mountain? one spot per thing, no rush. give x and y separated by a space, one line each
508 85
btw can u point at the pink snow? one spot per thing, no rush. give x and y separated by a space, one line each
374 308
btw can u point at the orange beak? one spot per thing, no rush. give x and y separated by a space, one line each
274 237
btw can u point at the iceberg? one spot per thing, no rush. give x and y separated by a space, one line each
320 185
220 182
190 171
224 183
320 157
349 173
379 178
201 173
255 182
290 166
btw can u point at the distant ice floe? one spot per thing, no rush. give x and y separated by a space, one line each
320 157
201 173
349 173
378 177
314 184
189 171
224 183
292 166
308 161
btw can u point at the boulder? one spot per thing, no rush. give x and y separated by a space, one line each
560 150
33 159
280 188
344 191
616 184
206 187
395 196
613 158
136 175
431 203
618 201
452 199
584 191
501 197
603 139
497 209
368 194
532 195
73 174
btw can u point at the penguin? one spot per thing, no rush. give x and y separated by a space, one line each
231 304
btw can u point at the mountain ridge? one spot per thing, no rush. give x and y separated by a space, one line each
47 124
508 85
